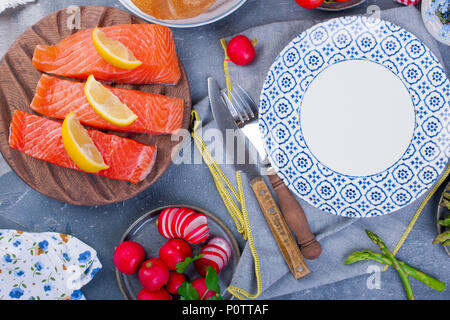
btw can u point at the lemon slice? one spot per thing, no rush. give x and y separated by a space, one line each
106 104
113 51
80 147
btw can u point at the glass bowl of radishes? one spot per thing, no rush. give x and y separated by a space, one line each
176 252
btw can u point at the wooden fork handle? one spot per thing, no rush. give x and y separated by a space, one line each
286 242
295 218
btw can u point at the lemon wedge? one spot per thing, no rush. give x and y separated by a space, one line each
113 51
80 147
106 104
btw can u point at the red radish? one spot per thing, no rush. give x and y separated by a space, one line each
181 221
214 248
217 253
175 281
128 257
309 4
153 274
240 50
222 243
169 220
203 263
175 220
203 292
161 222
192 223
174 251
197 234
165 222
207 251
216 258
160 294
201 238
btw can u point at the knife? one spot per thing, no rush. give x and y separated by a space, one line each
290 208
272 213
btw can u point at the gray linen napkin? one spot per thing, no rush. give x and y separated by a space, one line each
339 236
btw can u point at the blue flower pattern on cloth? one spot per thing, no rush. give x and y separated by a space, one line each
76 295
403 54
38 266
43 245
16 293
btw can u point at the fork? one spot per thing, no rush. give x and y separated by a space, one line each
245 114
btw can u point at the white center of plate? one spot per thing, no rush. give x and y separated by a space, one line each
357 118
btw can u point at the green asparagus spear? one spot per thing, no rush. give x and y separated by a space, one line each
444 222
402 273
445 203
378 257
444 236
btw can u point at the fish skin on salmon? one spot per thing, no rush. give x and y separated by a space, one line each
157 114
41 138
76 56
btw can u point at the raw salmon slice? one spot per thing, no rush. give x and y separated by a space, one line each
157 114
76 57
41 138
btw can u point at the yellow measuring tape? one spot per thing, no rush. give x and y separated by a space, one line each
418 212
226 71
240 216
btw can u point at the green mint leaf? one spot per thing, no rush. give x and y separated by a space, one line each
187 291
215 297
212 280
182 266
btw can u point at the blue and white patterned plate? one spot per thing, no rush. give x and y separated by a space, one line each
412 65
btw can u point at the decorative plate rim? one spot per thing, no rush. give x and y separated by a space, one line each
386 41
179 23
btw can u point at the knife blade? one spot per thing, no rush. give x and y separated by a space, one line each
228 127
272 213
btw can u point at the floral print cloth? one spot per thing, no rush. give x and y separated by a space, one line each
44 266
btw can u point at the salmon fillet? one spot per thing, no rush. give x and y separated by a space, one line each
41 138
157 114
76 57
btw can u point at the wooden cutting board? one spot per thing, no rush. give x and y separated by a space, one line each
18 80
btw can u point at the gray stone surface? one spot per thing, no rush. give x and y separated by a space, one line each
102 226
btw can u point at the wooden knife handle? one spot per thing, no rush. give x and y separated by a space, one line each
279 228
295 218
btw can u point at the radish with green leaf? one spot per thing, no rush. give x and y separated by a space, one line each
175 281
206 288
216 254
174 251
